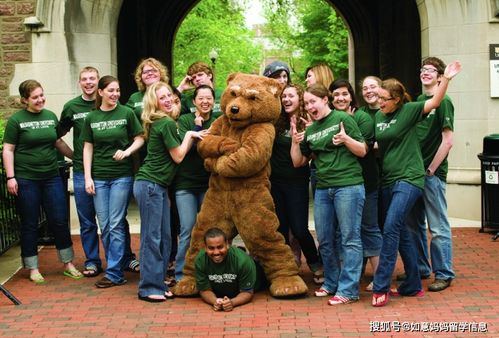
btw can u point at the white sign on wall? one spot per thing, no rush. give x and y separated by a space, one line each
494 70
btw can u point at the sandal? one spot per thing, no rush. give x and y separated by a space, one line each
369 287
73 273
169 295
395 293
37 278
151 299
380 299
107 283
337 300
91 271
133 266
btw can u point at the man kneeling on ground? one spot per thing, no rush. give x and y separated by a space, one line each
225 276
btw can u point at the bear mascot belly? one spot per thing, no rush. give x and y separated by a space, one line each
237 153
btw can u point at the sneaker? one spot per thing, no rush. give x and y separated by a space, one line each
336 300
403 277
321 292
439 284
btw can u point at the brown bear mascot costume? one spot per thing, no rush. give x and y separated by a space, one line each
238 200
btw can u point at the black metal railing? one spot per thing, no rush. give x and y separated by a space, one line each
9 220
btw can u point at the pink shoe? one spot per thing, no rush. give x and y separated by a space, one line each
337 300
395 293
321 292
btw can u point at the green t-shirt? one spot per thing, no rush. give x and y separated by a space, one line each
368 163
191 174
73 116
110 131
235 274
281 163
187 106
159 166
430 133
398 145
336 165
371 111
34 135
136 103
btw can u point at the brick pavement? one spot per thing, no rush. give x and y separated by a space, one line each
63 307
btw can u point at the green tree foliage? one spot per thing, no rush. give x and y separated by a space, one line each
310 31
218 24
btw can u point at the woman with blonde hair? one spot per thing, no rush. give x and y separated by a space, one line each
319 73
148 72
165 150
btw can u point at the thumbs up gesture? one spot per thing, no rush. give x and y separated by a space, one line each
340 137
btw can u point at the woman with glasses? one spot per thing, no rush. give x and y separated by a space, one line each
402 180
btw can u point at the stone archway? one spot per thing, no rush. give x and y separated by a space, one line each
385 34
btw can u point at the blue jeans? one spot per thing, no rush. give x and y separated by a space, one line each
88 224
370 231
155 236
49 193
341 208
398 199
111 203
291 207
434 205
188 206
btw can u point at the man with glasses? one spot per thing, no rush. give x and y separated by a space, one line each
435 135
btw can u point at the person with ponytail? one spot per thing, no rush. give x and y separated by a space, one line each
107 167
165 150
402 180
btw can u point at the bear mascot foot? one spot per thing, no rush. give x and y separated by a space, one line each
288 286
185 288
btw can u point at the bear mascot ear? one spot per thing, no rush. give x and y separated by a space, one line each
274 87
232 76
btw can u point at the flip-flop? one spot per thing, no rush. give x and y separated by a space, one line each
91 271
169 295
37 278
73 273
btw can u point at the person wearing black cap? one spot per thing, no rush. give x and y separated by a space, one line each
278 70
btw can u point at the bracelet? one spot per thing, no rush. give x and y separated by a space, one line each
10 178
448 78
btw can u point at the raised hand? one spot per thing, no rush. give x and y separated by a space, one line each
341 136
452 69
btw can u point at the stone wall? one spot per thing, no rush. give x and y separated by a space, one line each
15 47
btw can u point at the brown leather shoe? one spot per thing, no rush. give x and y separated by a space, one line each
439 284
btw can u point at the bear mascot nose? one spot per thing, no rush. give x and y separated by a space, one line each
234 109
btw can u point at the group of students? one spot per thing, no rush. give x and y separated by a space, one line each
148 146
391 149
